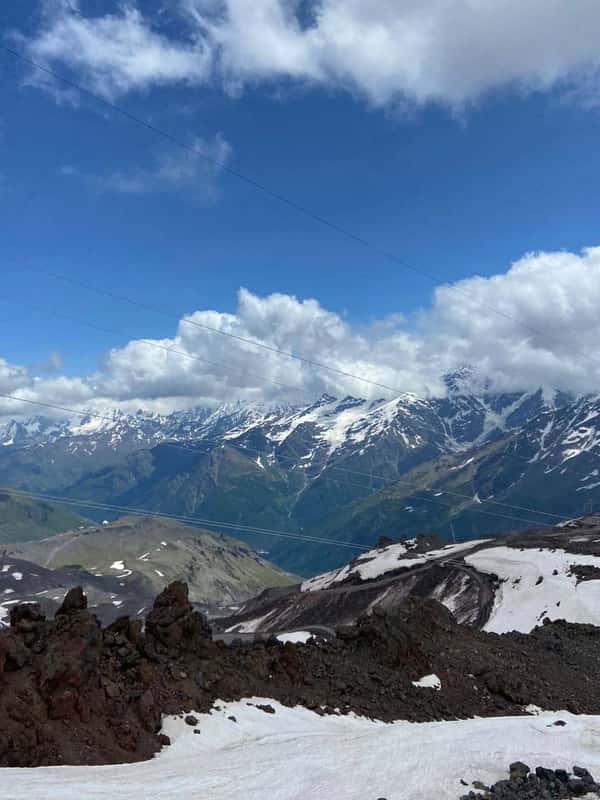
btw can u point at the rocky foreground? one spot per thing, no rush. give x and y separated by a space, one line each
539 784
74 692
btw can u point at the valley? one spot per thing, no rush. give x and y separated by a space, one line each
350 470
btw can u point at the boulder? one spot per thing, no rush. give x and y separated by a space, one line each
74 601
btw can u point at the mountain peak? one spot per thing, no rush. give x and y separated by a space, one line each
466 380
325 399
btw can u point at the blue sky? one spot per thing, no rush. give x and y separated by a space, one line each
460 184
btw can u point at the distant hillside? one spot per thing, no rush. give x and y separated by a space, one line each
347 469
498 584
24 519
139 556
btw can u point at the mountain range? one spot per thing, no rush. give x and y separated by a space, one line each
477 461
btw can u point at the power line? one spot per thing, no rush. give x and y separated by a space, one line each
222 442
230 526
184 354
193 323
303 210
155 344
470 510
202 521
281 198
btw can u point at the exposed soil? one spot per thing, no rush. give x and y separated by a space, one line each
72 692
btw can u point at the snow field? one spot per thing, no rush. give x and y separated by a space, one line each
522 601
294 753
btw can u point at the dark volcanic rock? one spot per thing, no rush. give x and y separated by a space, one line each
543 784
172 625
74 601
74 692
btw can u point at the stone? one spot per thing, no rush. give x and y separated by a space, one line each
518 770
74 601
266 707
581 772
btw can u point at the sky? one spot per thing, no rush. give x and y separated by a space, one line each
458 140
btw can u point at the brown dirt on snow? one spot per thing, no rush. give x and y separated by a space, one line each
73 692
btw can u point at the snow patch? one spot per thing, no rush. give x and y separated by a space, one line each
531 591
428 682
297 637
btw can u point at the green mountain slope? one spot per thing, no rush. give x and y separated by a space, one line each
219 570
439 497
24 519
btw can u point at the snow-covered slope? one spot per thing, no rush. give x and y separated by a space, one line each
381 578
383 560
319 429
509 583
243 752
538 584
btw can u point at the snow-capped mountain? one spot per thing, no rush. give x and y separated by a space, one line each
318 430
349 469
380 440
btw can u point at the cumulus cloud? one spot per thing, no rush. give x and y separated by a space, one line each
534 325
118 52
196 167
408 53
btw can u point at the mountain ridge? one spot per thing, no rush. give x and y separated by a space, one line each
350 469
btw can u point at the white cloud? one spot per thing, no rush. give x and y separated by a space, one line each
118 52
196 167
546 333
11 376
390 52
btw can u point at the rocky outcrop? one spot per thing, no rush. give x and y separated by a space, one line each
539 784
74 692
